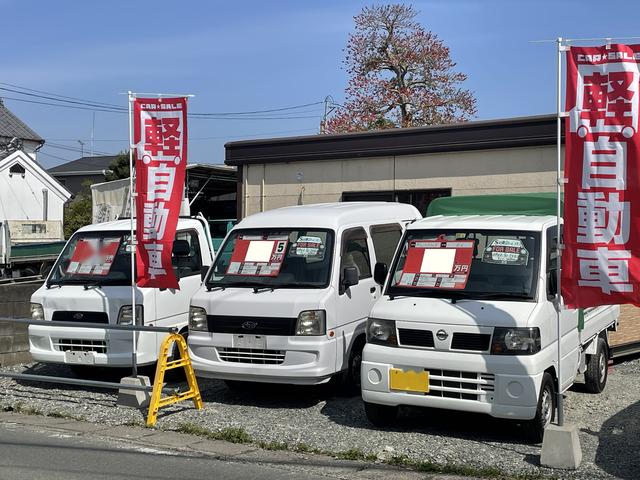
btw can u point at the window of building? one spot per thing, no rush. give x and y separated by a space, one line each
16 169
385 239
418 198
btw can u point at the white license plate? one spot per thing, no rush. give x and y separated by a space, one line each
82 358
258 342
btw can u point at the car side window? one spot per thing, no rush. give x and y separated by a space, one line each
186 258
385 239
355 252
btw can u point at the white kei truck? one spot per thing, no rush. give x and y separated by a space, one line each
91 282
289 293
467 319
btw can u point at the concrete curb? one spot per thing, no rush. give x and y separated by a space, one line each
197 446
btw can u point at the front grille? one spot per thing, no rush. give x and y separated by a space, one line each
461 385
79 316
470 341
80 345
252 325
251 355
415 338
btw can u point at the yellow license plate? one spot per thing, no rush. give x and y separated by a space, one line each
409 380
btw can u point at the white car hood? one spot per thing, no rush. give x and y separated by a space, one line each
487 313
283 302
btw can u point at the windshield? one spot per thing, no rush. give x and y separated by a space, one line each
467 264
94 258
274 258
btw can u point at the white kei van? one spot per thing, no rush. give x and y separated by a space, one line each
101 293
289 293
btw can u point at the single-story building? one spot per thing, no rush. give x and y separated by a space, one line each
86 170
412 165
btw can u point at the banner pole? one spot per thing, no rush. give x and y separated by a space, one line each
134 349
559 399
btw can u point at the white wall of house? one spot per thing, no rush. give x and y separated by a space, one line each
22 197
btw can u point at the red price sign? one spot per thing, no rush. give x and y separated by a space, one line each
437 264
92 257
258 257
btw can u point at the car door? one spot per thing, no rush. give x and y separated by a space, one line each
172 305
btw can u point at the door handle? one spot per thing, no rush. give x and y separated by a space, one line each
372 289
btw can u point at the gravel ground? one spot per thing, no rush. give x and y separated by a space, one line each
609 423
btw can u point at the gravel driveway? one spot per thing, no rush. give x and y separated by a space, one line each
609 423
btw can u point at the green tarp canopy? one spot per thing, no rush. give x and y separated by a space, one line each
507 204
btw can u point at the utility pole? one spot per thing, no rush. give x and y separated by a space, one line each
328 108
93 129
81 148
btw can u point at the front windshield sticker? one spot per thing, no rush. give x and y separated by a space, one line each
506 251
93 256
307 246
257 256
437 264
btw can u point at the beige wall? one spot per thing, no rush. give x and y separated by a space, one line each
512 170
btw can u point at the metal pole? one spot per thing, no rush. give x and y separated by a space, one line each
559 399
134 349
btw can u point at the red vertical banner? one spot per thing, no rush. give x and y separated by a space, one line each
160 137
601 260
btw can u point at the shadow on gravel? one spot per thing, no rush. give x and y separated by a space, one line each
431 421
619 443
265 395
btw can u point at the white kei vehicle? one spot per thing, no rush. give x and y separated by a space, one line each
491 346
97 289
289 293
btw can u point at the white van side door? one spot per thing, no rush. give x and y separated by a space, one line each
354 303
172 306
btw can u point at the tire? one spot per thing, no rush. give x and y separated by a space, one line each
545 411
350 380
381 415
597 368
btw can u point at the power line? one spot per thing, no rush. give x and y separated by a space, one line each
108 107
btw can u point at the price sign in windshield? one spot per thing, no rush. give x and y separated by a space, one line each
258 257
93 256
437 264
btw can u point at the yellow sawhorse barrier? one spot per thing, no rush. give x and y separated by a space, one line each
157 401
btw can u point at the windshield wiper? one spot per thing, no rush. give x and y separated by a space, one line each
262 289
496 295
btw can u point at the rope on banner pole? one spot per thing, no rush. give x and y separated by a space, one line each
134 349
559 399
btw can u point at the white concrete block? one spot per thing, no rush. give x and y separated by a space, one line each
134 398
561 447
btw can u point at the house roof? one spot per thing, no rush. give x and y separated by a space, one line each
11 126
33 167
84 166
503 133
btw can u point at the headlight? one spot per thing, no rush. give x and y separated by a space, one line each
37 312
382 332
197 319
125 316
311 322
515 341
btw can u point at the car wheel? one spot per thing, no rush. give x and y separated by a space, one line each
351 378
381 415
597 368
545 411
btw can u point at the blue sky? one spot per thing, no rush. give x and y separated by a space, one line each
252 55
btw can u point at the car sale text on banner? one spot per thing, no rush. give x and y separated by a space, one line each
160 137
601 261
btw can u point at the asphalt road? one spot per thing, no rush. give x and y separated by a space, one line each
35 455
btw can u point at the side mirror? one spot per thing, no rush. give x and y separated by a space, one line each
380 273
203 271
552 283
350 277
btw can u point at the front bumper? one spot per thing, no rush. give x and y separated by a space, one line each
91 346
292 360
500 386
